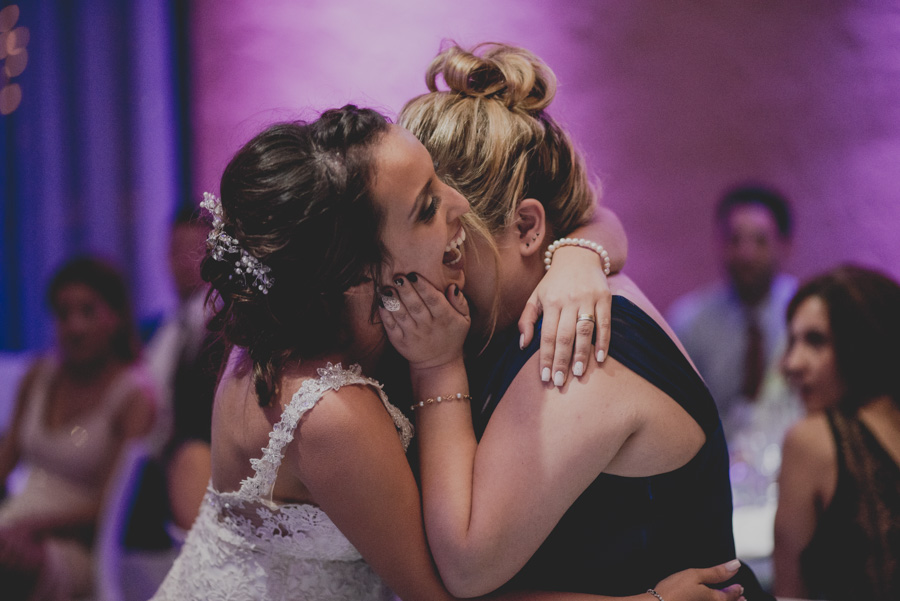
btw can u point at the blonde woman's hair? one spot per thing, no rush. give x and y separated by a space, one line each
492 139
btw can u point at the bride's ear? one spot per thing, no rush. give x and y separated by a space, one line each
531 226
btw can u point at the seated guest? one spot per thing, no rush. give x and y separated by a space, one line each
75 409
837 535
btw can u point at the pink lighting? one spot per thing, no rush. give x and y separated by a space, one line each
671 101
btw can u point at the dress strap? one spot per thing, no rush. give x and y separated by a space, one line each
331 377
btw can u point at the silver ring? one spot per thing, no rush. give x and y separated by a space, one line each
390 303
585 317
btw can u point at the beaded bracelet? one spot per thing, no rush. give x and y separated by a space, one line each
450 397
604 256
650 591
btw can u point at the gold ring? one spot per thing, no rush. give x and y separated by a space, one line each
585 317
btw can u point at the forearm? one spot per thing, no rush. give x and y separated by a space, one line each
447 448
606 229
557 596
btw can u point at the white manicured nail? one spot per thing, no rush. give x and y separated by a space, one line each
578 369
600 356
521 341
559 378
545 374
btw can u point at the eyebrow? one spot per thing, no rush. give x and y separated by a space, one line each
420 198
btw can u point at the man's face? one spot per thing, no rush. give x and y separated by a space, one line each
753 250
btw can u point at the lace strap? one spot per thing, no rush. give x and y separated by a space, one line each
331 377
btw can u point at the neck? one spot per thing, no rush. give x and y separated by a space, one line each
367 339
517 289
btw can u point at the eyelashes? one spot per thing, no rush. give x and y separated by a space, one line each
430 210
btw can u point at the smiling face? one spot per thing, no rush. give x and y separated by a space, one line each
421 227
810 362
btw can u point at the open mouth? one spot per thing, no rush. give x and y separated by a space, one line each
453 251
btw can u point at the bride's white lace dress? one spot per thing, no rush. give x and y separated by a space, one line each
244 547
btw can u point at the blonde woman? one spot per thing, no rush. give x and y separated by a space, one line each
600 485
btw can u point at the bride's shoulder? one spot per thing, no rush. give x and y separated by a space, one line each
336 397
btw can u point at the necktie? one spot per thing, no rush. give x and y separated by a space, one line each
754 362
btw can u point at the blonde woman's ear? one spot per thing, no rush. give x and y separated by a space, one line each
531 226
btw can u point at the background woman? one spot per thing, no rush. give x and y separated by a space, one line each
837 535
75 410
609 480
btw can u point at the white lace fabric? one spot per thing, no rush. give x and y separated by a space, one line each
243 546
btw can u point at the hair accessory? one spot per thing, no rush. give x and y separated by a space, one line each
221 244
459 396
585 317
390 303
604 256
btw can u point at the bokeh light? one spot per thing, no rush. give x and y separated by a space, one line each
14 55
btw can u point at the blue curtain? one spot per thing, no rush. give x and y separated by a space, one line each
93 156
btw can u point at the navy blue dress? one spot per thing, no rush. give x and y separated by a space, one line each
623 535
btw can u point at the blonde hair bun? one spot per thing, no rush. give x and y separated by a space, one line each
508 74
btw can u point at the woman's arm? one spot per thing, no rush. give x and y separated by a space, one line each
488 507
576 281
350 459
188 474
807 461
9 444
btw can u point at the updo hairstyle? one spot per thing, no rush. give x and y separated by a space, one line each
863 308
492 139
296 197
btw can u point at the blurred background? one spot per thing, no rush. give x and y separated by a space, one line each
113 114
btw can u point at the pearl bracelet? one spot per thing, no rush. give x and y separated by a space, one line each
604 256
650 591
450 397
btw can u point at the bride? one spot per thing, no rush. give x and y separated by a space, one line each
312 218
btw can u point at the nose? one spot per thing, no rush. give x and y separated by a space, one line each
457 204
792 362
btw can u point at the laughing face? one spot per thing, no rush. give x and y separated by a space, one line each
421 230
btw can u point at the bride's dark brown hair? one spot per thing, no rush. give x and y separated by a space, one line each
297 198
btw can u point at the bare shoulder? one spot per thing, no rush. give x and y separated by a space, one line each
810 442
138 414
352 415
621 285
598 393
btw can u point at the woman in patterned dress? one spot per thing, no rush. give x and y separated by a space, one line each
837 532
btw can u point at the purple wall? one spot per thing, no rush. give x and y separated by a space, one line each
671 100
